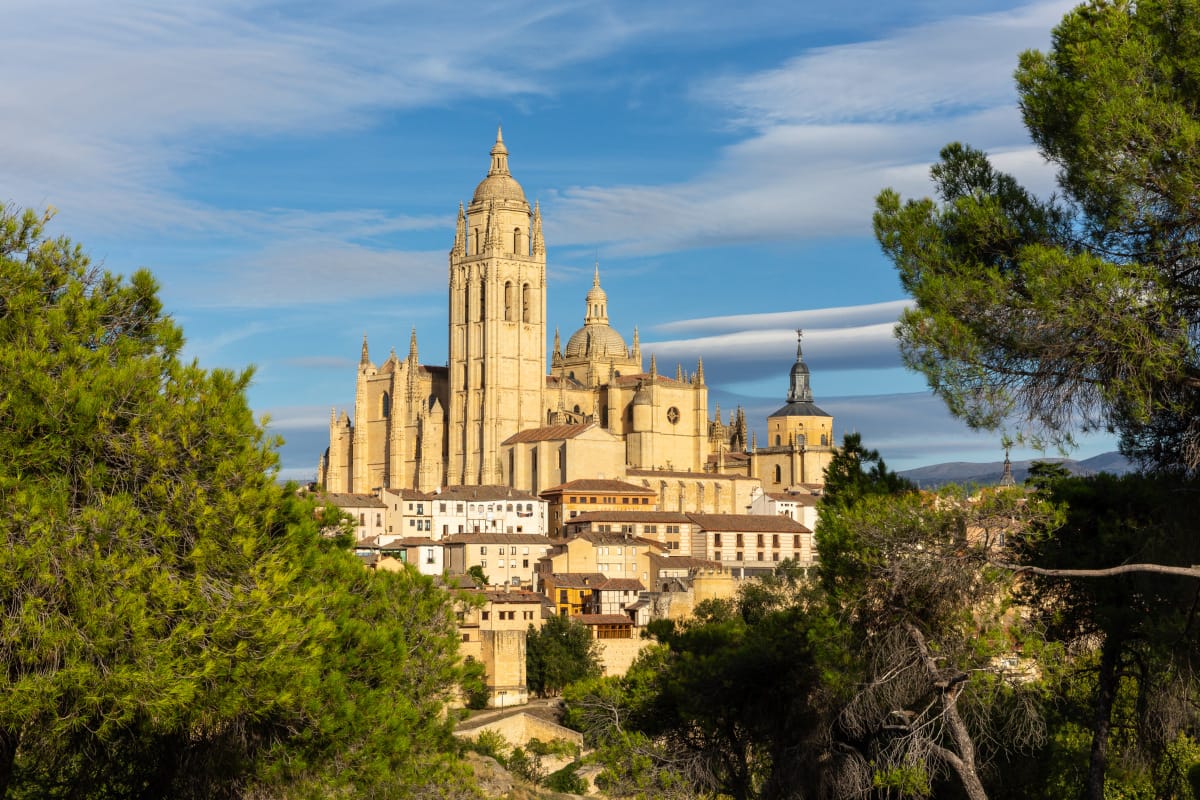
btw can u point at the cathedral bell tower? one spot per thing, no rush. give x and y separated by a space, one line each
497 367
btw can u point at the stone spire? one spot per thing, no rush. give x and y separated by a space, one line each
499 155
539 244
557 352
597 301
365 358
412 346
492 236
799 391
636 350
700 371
1007 478
460 233
679 372
653 366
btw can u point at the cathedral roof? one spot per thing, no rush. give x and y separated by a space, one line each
800 397
599 485
800 409
499 183
549 433
596 339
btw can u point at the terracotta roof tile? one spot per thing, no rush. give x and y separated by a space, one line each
599 485
577 580
605 619
748 522
662 517
350 500
549 433
496 538
621 585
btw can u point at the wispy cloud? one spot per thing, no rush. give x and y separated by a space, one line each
842 317
310 272
949 67
826 130
747 347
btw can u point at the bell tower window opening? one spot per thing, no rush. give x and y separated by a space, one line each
508 301
517 241
526 303
482 301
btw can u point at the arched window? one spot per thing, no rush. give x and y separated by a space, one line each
778 474
482 301
478 242
526 304
824 440
517 241
777 440
576 409
508 301
385 405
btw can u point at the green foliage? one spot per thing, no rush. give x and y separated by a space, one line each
526 766
174 623
559 654
1043 474
490 744
855 471
567 780
1079 312
476 574
1144 650
903 781
474 684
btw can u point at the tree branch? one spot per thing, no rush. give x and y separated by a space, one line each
1103 572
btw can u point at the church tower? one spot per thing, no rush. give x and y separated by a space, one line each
497 366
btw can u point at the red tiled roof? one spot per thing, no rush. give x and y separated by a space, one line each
496 538
577 580
802 499
599 485
704 476
349 500
484 492
549 433
605 619
613 538
621 585
630 516
748 522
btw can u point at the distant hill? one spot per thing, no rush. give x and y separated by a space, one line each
988 473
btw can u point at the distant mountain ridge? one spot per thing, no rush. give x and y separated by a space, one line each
989 473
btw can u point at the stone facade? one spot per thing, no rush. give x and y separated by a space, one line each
494 415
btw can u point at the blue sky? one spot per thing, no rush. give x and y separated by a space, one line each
290 171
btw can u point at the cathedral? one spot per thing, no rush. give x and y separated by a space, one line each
494 415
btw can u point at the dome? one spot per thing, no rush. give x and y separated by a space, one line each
598 339
499 187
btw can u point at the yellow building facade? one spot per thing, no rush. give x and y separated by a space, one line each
494 414
799 436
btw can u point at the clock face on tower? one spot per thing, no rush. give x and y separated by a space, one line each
672 415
